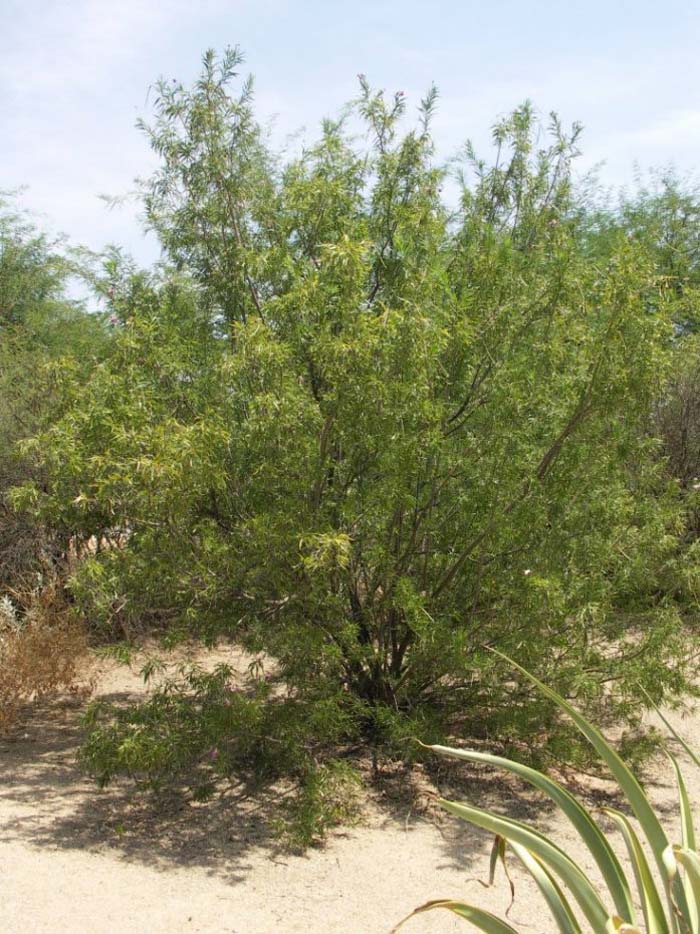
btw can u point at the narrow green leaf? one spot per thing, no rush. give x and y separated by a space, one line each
687 827
592 836
626 780
483 920
654 915
690 861
498 854
545 850
676 735
550 889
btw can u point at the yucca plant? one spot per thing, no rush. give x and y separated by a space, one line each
669 900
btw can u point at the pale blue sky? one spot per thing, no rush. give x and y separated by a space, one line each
74 77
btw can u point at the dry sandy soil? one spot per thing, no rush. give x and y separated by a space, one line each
75 859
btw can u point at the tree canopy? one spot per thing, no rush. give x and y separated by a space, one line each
369 430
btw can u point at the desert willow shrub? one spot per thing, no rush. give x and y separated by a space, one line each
368 433
662 212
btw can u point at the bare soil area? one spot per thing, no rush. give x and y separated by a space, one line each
75 859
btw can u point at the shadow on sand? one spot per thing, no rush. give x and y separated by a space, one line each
46 802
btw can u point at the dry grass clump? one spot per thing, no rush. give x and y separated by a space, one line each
41 647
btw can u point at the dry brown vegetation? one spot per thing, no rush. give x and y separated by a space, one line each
42 650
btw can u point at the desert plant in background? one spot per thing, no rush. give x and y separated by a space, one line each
43 650
41 328
42 643
668 891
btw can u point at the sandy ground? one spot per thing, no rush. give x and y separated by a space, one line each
75 859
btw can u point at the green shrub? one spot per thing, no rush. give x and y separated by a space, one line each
39 326
328 797
367 432
199 731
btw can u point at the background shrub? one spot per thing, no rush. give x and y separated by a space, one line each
43 649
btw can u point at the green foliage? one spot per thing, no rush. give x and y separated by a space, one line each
40 330
327 798
663 215
368 433
32 272
677 866
200 730
202 725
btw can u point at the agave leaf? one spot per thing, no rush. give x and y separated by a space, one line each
626 780
617 926
553 857
593 837
690 861
550 889
483 920
688 831
687 826
654 915
497 853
